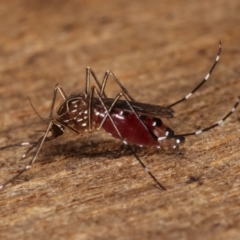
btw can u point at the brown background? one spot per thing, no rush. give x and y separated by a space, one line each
90 187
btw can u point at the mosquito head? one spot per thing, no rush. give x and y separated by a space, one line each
57 130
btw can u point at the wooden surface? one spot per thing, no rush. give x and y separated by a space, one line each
91 187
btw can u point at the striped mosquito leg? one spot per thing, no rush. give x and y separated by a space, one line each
143 165
18 145
41 141
203 81
15 145
15 177
29 150
216 124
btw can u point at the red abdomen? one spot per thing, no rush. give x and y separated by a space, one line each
132 129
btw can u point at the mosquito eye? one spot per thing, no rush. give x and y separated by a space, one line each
57 129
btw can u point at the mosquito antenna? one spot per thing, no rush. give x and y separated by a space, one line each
34 109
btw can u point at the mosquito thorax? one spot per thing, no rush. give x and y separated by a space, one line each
74 112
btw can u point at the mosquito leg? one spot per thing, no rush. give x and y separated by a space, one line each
124 141
19 145
102 86
116 81
56 128
32 160
89 72
214 125
59 89
203 81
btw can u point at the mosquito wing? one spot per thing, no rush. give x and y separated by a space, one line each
141 108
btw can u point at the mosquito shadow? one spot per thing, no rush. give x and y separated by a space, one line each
86 149
93 149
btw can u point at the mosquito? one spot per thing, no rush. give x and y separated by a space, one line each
134 123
